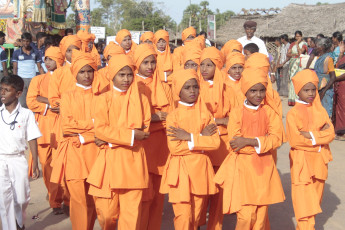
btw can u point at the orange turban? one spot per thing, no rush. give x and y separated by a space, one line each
251 77
147 36
201 41
141 52
81 59
191 52
161 34
187 32
85 38
258 60
303 77
214 54
233 59
121 35
181 76
68 41
55 54
112 49
231 45
117 63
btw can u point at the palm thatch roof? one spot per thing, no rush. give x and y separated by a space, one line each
310 19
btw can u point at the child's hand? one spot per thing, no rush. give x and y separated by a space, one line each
238 143
99 142
209 130
306 134
35 171
222 121
140 135
178 134
324 127
159 116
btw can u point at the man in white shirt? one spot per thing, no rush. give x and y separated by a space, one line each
250 28
18 126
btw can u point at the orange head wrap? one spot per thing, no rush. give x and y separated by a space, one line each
112 49
85 38
180 77
191 52
117 63
187 32
233 59
147 36
214 54
161 34
141 52
231 45
201 41
55 54
258 60
68 41
81 59
121 35
251 77
303 77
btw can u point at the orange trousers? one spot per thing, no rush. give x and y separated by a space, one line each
82 207
152 210
308 223
187 215
55 191
124 205
252 217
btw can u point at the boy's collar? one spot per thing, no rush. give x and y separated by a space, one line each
18 107
119 90
301 102
231 78
84 87
185 104
251 106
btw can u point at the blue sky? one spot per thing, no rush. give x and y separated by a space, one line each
174 8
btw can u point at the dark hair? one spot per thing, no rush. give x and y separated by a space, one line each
338 36
325 43
312 39
27 36
298 32
251 47
203 33
320 36
40 35
57 38
13 80
68 30
278 39
2 34
285 37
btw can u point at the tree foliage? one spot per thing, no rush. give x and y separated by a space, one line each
196 15
129 14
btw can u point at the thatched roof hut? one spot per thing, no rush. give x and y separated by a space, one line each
310 19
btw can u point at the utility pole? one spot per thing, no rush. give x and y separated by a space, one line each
190 13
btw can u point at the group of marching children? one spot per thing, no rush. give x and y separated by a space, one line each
202 125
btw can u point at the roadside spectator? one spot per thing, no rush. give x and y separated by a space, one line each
24 62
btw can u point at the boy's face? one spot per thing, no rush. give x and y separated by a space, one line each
9 94
256 94
235 71
2 40
26 43
148 66
190 91
247 54
124 78
161 44
85 75
50 64
191 65
307 93
68 54
207 69
126 43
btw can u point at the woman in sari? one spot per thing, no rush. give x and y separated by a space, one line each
324 68
296 49
339 91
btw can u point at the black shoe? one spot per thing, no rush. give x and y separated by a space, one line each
65 209
58 211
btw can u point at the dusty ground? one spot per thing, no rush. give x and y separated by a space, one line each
281 215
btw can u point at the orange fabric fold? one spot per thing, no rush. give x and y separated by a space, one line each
112 49
191 52
85 38
230 46
147 36
69 40
187 32
233 59
81 59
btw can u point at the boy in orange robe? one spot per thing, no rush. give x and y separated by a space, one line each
192 133
164 56
309 131
249 175
191 57
220 99
124 39
46 117
147 37
119 175
233 72
187 35
77 150
161 102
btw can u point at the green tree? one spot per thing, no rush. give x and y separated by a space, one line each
70 21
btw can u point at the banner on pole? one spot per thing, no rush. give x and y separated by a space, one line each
211 27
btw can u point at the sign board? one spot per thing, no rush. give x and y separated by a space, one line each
99 32
211 27
136 36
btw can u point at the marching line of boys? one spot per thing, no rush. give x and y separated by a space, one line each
201 125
